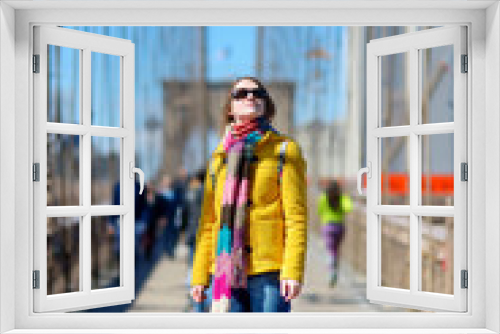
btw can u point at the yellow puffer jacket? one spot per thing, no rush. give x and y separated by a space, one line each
276 217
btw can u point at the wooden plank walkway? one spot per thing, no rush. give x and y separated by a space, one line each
166 289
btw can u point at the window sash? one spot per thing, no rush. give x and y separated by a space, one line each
412 43
85 297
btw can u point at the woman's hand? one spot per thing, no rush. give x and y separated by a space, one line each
290 288
198 293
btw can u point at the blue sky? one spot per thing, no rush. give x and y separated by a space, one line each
230 50
233 49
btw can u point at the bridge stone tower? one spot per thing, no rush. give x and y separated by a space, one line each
188 109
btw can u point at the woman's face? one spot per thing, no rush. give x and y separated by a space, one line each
249 107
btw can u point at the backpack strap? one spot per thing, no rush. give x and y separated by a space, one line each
213 171
212 175
281 159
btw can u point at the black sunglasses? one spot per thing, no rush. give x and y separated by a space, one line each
241 93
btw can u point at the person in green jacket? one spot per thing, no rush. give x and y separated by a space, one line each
332 207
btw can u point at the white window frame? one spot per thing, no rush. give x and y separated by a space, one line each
86 43
411 45
17 19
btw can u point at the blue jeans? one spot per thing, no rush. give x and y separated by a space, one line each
262 294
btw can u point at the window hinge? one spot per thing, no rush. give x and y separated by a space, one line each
465 63
36 279
36 63
465 279
465 172
36 172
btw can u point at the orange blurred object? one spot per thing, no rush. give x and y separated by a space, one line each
399 184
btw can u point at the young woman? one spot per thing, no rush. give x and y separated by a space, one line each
332 207
251 241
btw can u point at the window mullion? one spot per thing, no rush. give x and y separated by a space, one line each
86 163
413 84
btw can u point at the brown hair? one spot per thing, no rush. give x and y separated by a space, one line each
269 108
333 193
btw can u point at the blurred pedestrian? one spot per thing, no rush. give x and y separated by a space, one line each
251 242
332 207
170 205
152 215
180 185
194 201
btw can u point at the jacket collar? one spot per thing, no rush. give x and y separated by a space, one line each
268 136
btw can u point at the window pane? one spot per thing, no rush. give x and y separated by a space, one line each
395 171
105 89
437 254
105 187
63 255
105 252
63 84
394 92
63 169
436 65
437 169
395 253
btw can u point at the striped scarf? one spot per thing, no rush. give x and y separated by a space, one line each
230 262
